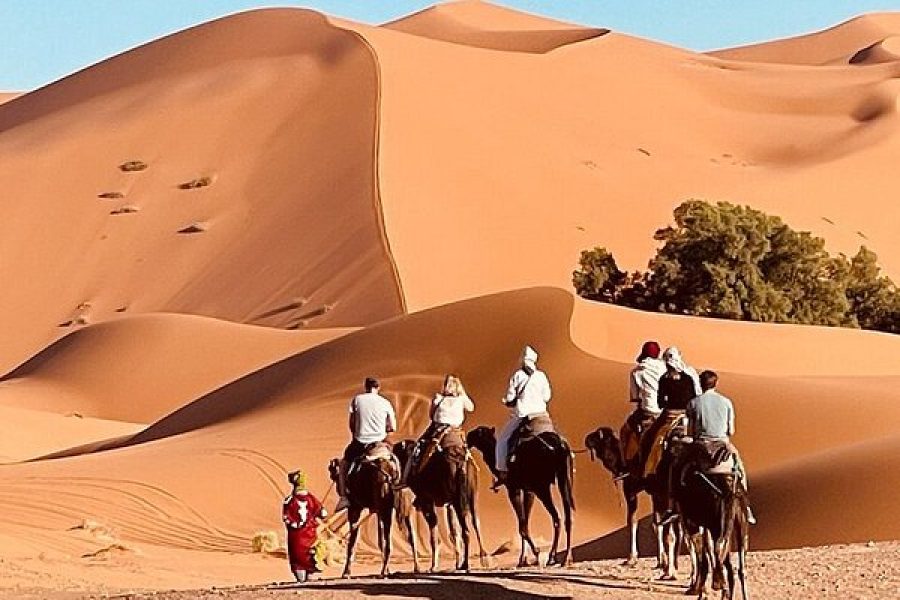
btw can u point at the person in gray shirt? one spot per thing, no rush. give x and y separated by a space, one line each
711 418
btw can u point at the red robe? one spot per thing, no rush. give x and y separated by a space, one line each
299 514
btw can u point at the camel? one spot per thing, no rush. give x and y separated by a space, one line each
713 507
449 479
603 444
540 462
370 486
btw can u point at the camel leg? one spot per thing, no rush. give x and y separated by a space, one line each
476 525
565 480
522 502
660 545
432 520
459 510
546 499
353 517
669 541
528 503
452 531
692 553
631 510
409 521
385 520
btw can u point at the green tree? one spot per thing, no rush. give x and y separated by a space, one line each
735 262
874 299
598 277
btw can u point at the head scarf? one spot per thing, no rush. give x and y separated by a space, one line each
673 359
649 350
298 480
529 357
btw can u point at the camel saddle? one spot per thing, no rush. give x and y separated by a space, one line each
447 439
529 429
377 451
713 457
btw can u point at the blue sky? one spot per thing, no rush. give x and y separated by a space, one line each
43 40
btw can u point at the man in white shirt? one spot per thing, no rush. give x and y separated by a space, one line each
643 391
527 397
372 418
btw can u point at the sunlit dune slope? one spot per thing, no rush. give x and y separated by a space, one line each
594 143
259 198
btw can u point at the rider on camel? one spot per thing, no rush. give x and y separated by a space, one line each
644 389
527 396
448 411
372 418
711 421
679 385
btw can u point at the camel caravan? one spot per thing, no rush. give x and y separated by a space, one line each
675 447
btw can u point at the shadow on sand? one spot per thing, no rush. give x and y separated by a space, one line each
484 585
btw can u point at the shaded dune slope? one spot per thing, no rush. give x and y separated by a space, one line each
292 414
140 368
484 25
278 138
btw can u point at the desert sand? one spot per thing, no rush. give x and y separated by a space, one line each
210 240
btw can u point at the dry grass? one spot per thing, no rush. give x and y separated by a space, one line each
265 542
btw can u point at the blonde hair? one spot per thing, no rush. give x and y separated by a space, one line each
452 386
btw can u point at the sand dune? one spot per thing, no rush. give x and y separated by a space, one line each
287 416
20 426
293 176
411 199
140 368
835 45
484 25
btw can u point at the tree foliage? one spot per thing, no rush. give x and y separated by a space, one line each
735 262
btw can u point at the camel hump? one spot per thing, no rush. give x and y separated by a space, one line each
378 451
540 424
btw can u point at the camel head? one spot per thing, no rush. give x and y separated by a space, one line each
482 437
403 450
334 469
604 445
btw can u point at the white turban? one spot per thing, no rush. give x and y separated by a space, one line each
529 357
673 359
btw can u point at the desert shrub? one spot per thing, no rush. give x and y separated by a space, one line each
265 542
193 184
598 277
874 299
735 262
111 195
132 166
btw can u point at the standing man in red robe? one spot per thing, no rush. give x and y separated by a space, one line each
301 514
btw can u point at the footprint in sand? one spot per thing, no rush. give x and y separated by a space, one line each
194 228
